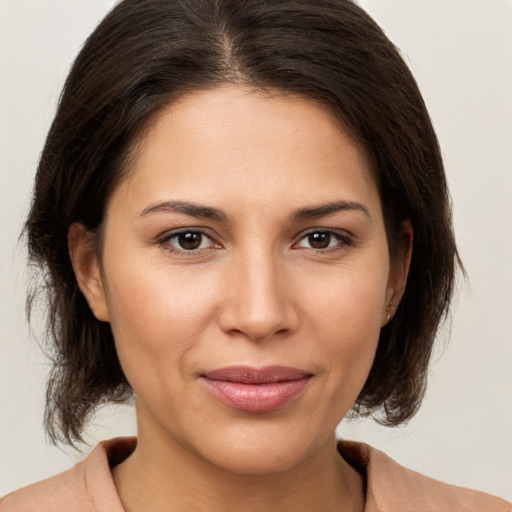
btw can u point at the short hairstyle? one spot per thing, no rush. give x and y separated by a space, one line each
147 53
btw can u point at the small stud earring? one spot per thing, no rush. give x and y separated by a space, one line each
389 311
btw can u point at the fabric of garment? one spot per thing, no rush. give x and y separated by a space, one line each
89 487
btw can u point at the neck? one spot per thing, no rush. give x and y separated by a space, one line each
164 475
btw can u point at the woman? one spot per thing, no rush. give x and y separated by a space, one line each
243 216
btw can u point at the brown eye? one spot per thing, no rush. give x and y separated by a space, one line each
319 240
322 240
189 241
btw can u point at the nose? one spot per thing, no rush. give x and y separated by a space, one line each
259 299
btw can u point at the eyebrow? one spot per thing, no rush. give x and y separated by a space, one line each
192 209
208 212
322 210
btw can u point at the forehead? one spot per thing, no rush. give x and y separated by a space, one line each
235 144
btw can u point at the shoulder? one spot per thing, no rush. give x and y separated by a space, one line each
86 487
66 491
394 488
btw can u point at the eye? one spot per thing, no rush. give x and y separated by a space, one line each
322 240
188 241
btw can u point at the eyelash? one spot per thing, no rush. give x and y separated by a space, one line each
343 239
165 241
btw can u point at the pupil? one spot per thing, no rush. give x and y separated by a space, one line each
189 241
319 240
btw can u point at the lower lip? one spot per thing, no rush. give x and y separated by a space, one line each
255 397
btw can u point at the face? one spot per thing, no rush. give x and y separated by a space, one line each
246 276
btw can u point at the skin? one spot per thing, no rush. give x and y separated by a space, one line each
256 292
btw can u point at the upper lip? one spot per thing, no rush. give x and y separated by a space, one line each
252 375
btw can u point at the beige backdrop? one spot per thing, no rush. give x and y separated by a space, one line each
461 54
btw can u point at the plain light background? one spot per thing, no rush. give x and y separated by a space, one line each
461 54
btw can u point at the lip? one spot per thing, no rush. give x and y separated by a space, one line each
253 389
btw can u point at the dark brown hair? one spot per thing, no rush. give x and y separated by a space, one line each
146 53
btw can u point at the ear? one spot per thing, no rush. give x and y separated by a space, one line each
83 254
399 269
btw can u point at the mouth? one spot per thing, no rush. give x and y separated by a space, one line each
256 389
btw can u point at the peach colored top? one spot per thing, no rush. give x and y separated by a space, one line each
88 487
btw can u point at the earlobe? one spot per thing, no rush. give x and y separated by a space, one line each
86 267
399 271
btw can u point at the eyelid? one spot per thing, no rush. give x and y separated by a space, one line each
345 238
164 239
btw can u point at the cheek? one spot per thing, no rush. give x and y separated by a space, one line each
350 300
346 315
157 316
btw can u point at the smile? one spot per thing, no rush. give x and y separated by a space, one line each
256 389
